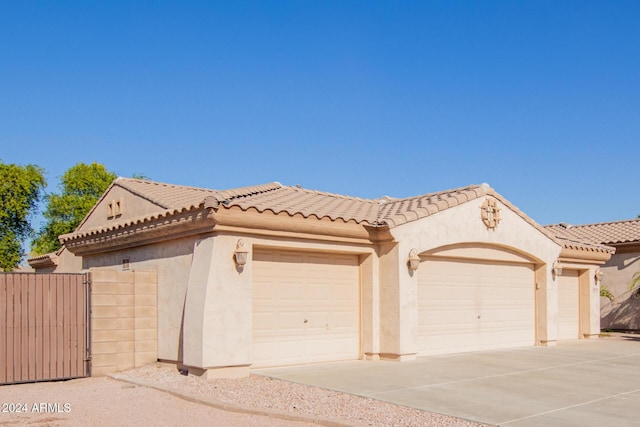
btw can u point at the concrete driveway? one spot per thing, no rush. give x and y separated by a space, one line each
582 382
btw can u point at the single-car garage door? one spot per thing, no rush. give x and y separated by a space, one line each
568 305
305 307
466 305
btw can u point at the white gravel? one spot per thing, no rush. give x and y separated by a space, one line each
265 395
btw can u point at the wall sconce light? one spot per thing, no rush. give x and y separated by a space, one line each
557 269
414 260
240 254
598 276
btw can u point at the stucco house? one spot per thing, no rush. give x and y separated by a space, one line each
272 275
623 312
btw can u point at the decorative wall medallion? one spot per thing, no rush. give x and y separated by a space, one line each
490 213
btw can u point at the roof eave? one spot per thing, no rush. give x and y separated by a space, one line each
44 261
171 225
252 219
584 255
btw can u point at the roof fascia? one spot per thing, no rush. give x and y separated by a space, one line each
207 220
584 256
174 225
44 261
252 220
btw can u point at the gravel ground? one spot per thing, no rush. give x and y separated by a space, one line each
269 395
161 396
107 402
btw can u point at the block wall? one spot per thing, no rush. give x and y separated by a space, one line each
124 320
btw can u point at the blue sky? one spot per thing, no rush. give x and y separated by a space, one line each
541 99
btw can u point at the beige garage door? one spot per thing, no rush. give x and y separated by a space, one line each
470 305
305 307
568 305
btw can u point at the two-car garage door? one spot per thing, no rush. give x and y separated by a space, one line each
305 307
468 305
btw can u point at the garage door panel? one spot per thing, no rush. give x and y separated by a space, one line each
264 321
323 292
262 292
285 292
467 306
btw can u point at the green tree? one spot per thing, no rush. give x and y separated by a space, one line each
20 190
80 188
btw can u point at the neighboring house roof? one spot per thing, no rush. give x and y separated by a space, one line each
572 241
605 233
608 233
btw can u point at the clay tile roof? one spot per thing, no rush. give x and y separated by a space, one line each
295 200
277 198
571 241
400 211
383 211
606 233
169 196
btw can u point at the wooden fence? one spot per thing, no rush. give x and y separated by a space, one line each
44 327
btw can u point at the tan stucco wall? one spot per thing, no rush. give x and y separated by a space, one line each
589 298
370 305
123 320
172 262
217 318
624 311
459 225
205 302
218 329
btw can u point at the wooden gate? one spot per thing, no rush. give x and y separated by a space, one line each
44 327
